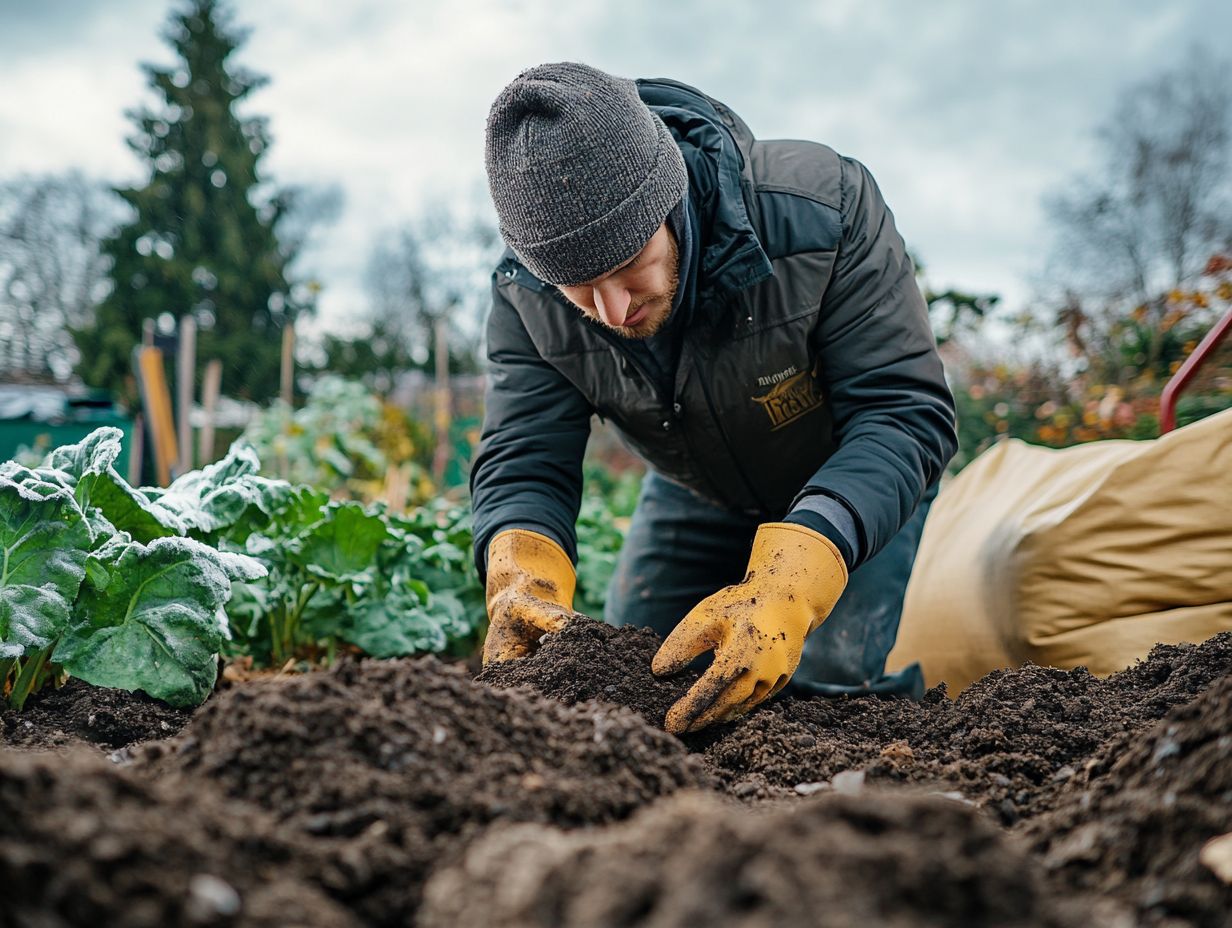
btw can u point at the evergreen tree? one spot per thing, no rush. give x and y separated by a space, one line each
204 236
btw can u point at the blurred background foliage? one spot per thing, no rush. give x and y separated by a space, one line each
204 235
1139 270
347 439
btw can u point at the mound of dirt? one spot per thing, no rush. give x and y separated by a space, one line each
85 843
886 860
1172 675
79 712
1134 822
592 660
397 763
1008 743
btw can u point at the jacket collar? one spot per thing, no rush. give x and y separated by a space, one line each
715 143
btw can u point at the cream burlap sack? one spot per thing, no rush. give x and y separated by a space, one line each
1083 556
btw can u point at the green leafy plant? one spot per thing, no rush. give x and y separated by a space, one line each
338 572
599 540
125 587
609 501
96 582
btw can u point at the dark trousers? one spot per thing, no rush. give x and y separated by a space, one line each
680 549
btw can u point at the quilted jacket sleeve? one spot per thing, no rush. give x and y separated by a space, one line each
528 469
893 412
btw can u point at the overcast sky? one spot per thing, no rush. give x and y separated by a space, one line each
967 112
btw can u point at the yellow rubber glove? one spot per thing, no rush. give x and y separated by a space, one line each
755 628
529 593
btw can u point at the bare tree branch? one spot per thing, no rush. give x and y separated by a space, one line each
1162 201
52 272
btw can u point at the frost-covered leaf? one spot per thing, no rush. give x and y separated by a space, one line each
246 616
217 496
262 545
94 454
130 510
106 498
298 509
240 461
151 623
38 483
336 460
457 618
30 618
44 543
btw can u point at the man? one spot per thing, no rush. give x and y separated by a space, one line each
745 314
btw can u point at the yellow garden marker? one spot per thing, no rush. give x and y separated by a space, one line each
156 400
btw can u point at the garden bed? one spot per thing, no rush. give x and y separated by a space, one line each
79 712
401 792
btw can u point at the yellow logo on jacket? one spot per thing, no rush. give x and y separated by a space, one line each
790 400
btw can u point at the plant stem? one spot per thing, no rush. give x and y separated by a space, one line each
30 676
303 602
293 620
278 631
273 632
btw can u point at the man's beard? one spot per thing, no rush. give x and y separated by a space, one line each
660 303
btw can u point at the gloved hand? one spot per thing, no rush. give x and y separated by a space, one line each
529 592
755 628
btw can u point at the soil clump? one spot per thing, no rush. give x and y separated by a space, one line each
593 660
83 842
78 712
1133 823
889 860
396 764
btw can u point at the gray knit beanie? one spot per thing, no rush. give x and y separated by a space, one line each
581 171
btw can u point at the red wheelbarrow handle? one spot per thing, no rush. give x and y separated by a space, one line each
1167 402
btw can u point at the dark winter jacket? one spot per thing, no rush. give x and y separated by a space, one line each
807 366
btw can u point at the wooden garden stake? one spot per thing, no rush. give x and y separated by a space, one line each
211 387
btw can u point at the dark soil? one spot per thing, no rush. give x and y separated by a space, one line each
79 712
886 861
1008 743
591 660
85 843
397 763
1133 823
357 786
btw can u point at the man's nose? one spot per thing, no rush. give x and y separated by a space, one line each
612 301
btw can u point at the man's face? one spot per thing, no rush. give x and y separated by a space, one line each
635 299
